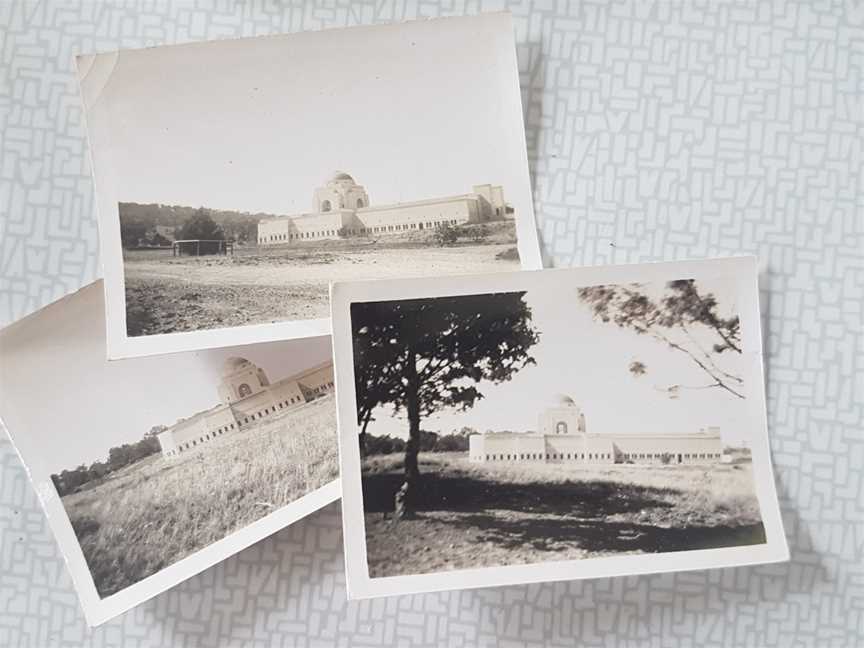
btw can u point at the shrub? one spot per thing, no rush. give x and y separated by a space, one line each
479 234
446 234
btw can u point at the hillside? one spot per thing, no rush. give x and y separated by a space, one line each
144 222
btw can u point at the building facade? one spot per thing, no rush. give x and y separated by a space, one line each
562 437
342 209
247 397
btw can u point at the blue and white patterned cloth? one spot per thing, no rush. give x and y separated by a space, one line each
656 131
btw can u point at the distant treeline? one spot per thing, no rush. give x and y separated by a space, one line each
70 481
429 442
156 224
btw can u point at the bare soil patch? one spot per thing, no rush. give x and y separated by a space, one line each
481 516
166 294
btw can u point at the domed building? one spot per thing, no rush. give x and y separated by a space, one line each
562 418
247 399
562 437
342 209
340 192
241 379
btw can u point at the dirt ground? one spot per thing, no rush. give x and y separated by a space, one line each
165 294
480 516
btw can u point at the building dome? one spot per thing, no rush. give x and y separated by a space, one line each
563 400
233 365
340 193
340 176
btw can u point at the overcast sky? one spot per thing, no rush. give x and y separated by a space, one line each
588 360
422 110
65 404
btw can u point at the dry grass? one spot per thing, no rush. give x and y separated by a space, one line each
157 511
478 515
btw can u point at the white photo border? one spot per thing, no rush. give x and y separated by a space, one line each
94 72
360 586
98 610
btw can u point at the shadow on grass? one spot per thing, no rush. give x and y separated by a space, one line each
551 516
467 493
598 536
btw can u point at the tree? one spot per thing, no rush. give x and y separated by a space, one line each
420 356
384 444
153 237
200 225
672 320
428 441
373 389
452 443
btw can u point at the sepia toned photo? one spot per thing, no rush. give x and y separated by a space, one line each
236 179
146 465
190 269
557 421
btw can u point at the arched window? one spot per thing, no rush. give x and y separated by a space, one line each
325 206
561 427
360 203
244 390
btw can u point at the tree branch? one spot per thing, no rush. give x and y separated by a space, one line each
708 356
726 338
706 369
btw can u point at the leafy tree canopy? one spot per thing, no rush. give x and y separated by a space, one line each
424 355
201 226
444 346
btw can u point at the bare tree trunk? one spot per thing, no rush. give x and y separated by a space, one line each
365 418
406 498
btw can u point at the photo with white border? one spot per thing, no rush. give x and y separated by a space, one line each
552 425
236 179
153 469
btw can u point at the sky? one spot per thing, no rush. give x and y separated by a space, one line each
419 111
64 404
588 360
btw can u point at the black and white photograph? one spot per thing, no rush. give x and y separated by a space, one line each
152 469
554 416
236 179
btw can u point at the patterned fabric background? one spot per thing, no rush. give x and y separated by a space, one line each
659 130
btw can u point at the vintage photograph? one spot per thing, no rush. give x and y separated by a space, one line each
189 269
159 458
556 421
236 179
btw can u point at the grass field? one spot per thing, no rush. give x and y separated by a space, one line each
166 294
151 514
480 515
